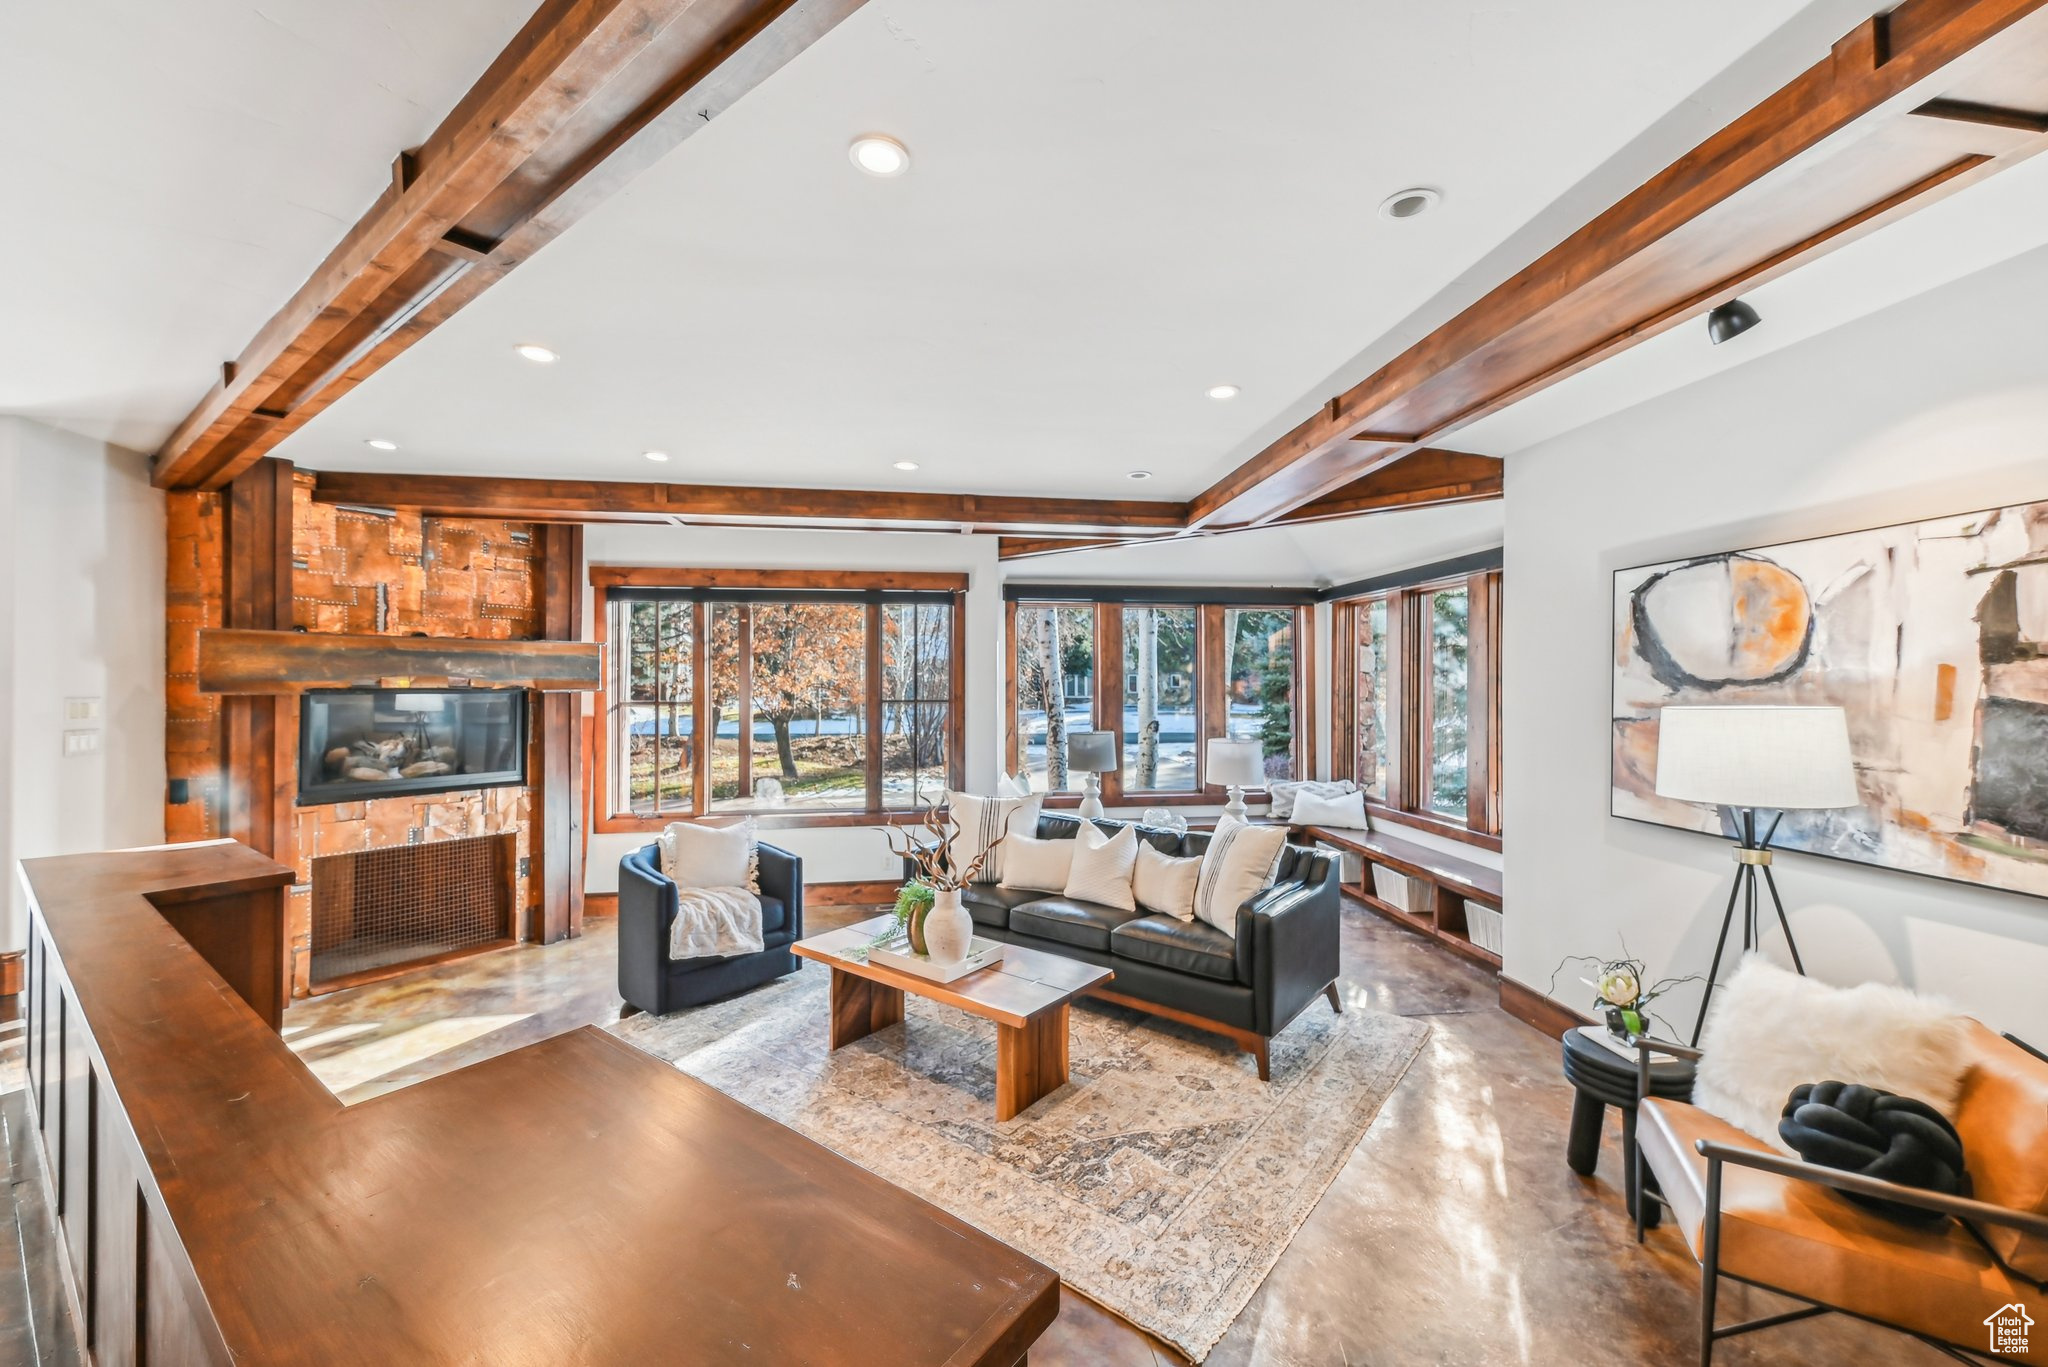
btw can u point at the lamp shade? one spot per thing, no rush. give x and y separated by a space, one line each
1091 752
1237 763
1784 758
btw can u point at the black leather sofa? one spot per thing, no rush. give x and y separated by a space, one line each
650 981
1248 988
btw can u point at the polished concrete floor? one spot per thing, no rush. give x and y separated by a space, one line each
1454 1235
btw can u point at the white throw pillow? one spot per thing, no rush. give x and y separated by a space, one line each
1034 865
1102 867
1771 1029
1345 813
695 856
1285 792
1166 884
1006 786
1236 867
984 820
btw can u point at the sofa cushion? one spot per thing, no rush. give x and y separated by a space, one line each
1069 922
1184 946
989 904
774 915
1805 1239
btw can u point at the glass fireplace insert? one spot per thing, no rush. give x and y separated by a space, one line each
359 743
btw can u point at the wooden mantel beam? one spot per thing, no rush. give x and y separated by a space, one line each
554 500
588 94
1826 158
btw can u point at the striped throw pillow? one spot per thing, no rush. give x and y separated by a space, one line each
981 821
1236 867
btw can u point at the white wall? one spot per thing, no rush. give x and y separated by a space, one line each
81 616
830 854
1934 406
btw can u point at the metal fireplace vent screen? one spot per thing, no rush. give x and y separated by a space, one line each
375 909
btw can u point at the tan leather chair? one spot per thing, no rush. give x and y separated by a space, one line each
1751 1214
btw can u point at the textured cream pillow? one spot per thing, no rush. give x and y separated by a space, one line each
984 820
1283 793
1771 1029
1102 867
1165 884
1343 813
695 856
1033 865
1238 864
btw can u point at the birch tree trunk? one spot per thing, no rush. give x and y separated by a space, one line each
1055 703
1148 699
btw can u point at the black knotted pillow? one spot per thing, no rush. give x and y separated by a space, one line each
1893 1138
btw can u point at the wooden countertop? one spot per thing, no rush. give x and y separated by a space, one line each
574 1201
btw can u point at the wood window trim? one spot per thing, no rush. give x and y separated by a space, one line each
1408 701
1210 692
604 578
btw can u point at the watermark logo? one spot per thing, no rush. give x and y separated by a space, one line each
2008 1325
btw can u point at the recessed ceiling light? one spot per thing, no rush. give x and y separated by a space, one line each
1139 474
379 444
537 353
1222 391
906 465
655 455
879 155
1409 203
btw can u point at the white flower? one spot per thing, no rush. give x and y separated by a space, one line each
1618 987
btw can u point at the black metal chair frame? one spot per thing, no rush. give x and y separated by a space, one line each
1719 1155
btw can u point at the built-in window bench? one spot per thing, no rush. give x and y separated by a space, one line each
1451 885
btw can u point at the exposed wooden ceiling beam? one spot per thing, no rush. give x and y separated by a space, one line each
1427 479
1828 157
554 500
587 95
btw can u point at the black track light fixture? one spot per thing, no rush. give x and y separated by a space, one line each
1732 319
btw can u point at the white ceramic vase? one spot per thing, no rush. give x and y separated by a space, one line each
948 929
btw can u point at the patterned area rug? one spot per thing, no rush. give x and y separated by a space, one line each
1163 1181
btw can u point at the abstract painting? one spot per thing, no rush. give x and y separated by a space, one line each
1932 636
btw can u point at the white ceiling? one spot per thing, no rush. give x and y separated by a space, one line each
1112 207
1969 231
172 171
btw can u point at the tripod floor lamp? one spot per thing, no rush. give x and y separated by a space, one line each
1767 760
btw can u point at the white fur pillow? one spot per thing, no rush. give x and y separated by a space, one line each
695 856
1165 884
1034 865
1771 1030
1102 866
1343 813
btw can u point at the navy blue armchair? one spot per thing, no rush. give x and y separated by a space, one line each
650 981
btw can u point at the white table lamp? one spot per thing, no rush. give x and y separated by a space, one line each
1751 759
1092 753
1237 765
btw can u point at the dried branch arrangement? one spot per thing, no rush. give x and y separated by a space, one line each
934 862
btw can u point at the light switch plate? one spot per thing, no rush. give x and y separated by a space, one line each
81 709
81 743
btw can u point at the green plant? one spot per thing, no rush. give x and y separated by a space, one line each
912 897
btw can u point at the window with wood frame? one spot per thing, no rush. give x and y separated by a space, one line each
1416 716
1163 677
802 693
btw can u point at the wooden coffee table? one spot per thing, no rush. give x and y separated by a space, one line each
1026 995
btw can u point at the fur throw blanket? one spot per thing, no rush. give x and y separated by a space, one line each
712 922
